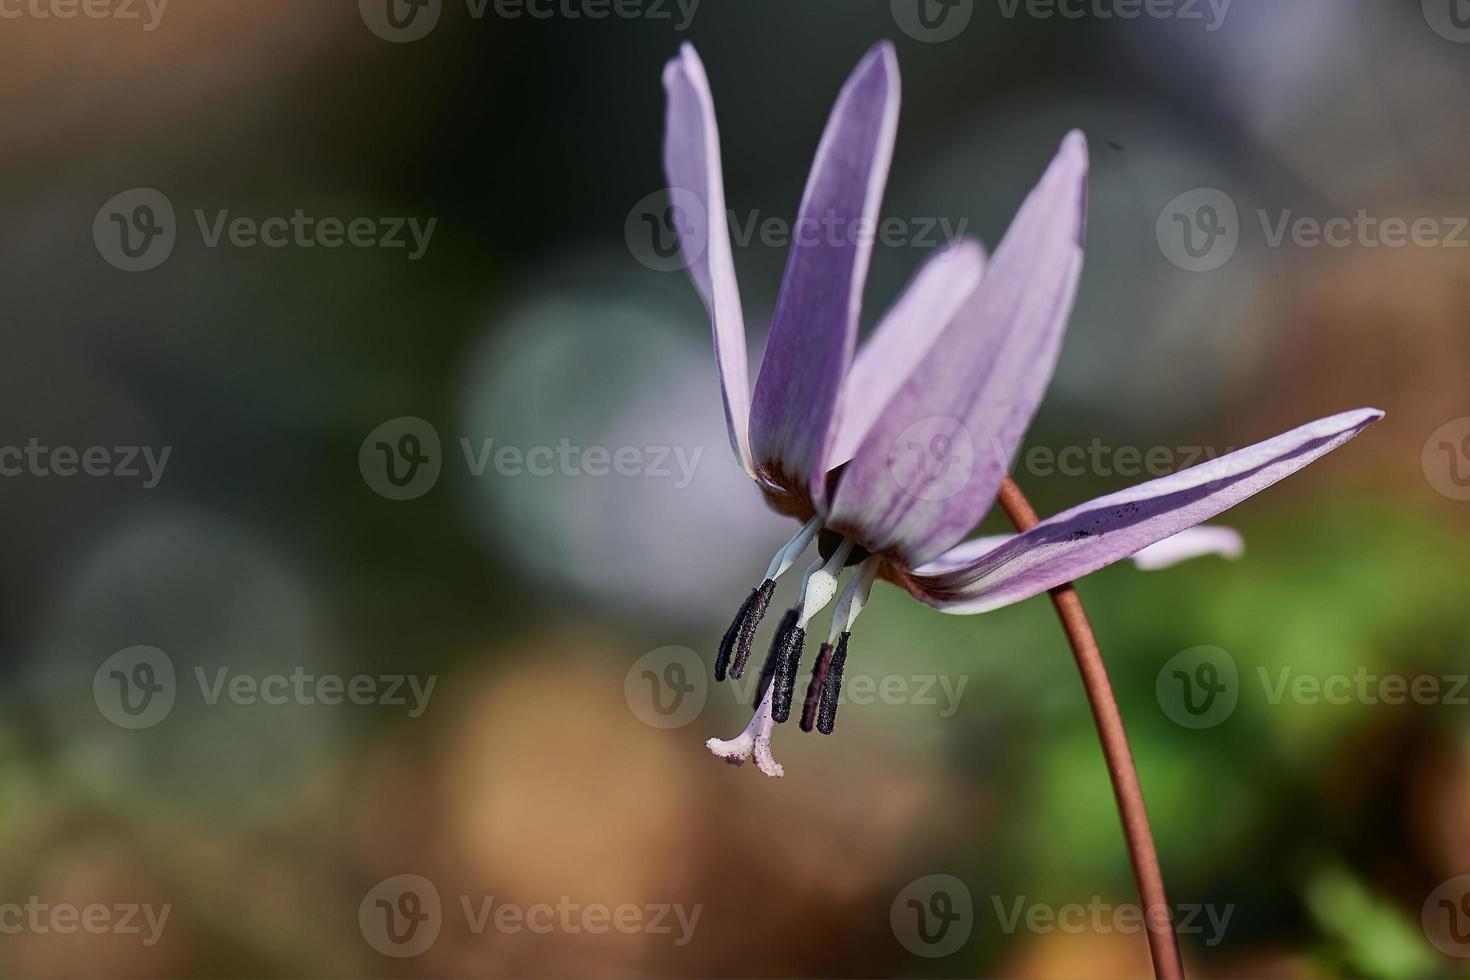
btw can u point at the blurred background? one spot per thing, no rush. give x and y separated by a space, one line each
316 667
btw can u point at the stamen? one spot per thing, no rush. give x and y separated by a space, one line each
727 643
826 685
787 658
735 645
760 601
773 658
784 661
814 689
831 688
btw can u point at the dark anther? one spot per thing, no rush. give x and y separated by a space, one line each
727 644
773 659
814 689
760 601
831 687
793 642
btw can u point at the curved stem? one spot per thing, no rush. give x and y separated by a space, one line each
1161 942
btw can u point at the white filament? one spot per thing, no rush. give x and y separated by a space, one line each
854 598
820 587
793 549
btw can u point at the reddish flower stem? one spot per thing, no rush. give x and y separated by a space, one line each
1161 942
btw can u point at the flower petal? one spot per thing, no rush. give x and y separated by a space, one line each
1079 541
692 166
1194 542
928 471
902 338
814 329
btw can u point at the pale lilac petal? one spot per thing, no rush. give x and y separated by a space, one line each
692 166
815 325
902 338
928 471
1195 542
1077 542
964 553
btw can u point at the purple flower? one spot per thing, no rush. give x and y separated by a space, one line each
890 455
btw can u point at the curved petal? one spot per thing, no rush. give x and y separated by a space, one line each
929 469
902 338
1194 542
692 166
1191 543
1079 541
814 329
